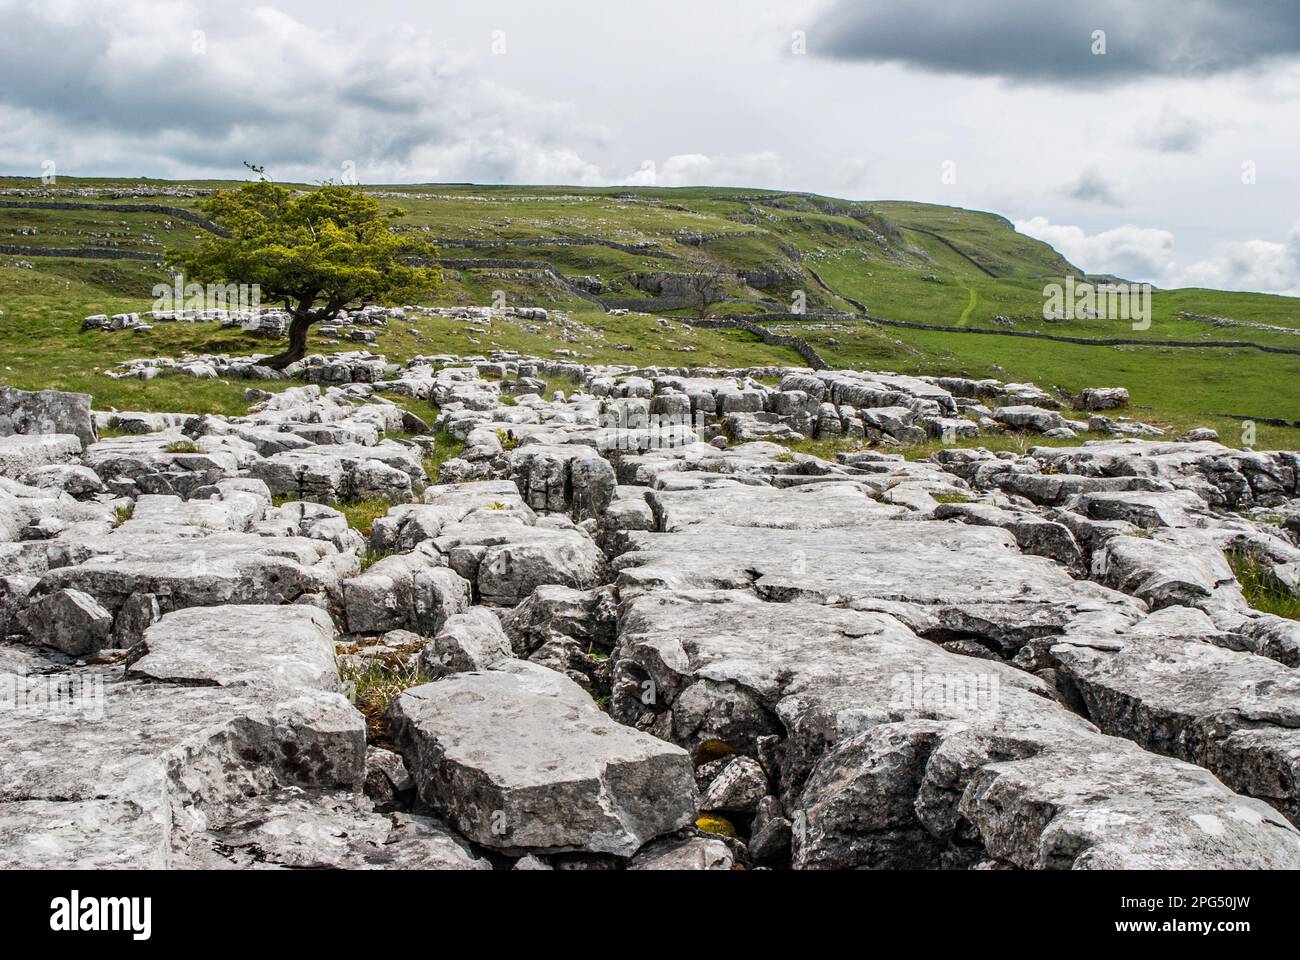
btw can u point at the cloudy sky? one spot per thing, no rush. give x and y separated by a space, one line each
1173 156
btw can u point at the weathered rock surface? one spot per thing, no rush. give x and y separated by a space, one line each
20 454
468 641
894 753
133 800
983 660
522 760
287 647
409 591
1165 684
46 412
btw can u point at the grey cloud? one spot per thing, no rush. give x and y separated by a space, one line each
1093 187
57 68
1041 41
266 88
1174 132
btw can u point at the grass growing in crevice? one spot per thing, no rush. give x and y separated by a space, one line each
952 498
372 557
182 446
1261 588
121 515
424 409
372 687
363 514
566 385
111 433
1018 443
446 447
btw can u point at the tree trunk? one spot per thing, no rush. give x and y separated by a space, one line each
297 349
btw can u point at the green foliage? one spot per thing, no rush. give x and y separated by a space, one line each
446 447
371 558
716 824
1262 589
906 261
374 684
566 385
952 498
363 514
331 246
182 446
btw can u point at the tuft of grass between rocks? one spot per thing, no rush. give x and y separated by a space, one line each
446 447
373 687
1261 588
363 514
952 498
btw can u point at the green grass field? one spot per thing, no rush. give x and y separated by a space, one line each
908 262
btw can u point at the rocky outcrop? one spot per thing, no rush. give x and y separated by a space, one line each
625 629
521 760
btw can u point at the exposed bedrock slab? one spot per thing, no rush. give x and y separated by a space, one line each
507 559
1055 489
21 454
46 412
891 752
925 793
947 581
156 763
1166 684
1034 534
235 512
1165 572
468 641
155 464
1029 418
587 616
724 666
407 525
1222 476
520 759
300 829
195 567
569 478
70 621
285 647
1146 510
409 591
802 508
340 473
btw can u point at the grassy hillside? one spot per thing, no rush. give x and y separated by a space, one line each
587 250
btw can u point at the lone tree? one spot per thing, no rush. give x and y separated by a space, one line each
316 252
706 285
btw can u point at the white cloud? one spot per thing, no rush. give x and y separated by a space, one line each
128 80
1249 265
1137 253
1148 254
761 169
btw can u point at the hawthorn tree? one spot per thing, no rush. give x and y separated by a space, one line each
706 286
316 252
